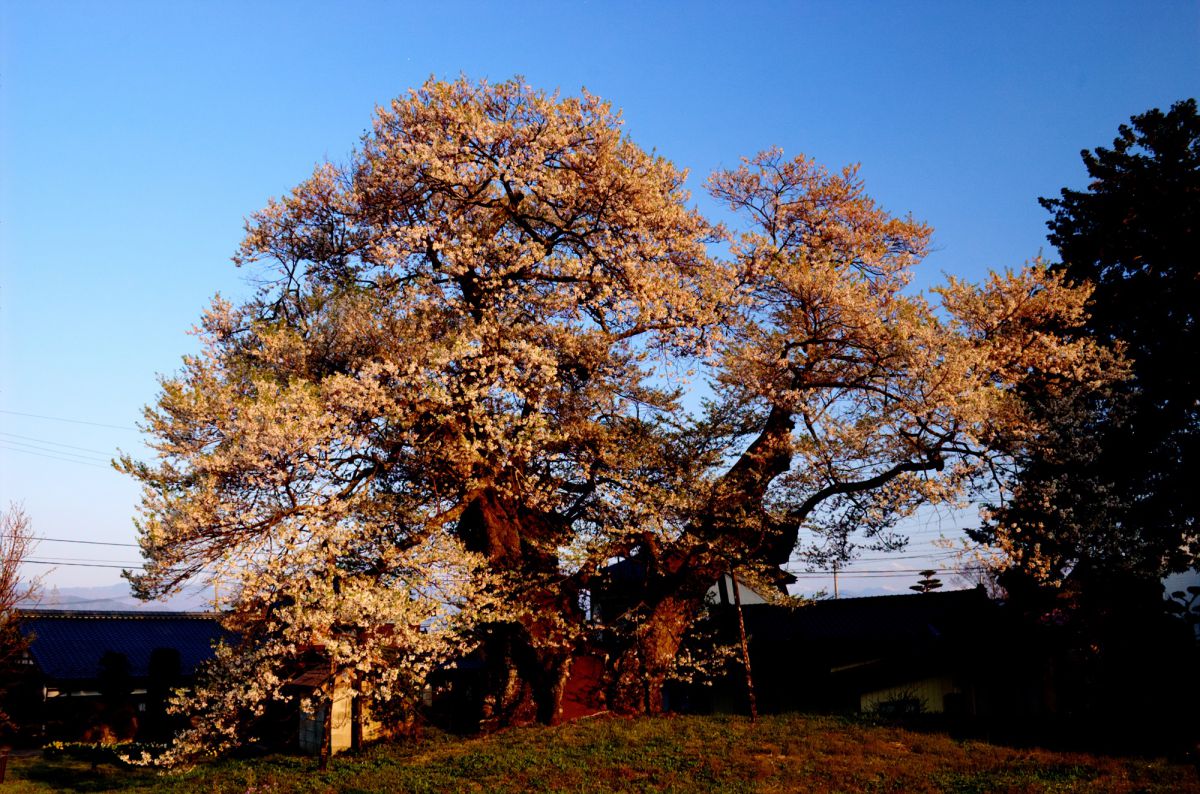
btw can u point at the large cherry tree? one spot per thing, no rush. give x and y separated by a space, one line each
470 376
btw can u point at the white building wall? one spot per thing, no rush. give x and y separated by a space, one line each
748 596
930 691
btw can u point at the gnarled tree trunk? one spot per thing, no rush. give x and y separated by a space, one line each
640 672
528 661
678 580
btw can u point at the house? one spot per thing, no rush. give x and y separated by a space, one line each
912 653
97 676
952 653
931 653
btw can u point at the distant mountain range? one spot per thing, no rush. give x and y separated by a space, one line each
116 597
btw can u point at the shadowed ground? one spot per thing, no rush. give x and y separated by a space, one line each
682 754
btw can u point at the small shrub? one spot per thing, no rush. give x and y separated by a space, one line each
904 704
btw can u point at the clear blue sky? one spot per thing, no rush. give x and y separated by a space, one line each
137 136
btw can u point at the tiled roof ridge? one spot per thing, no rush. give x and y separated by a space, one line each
962 593
102 614
958 593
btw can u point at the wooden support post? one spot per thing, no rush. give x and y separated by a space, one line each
737 600
327 721
326 736
356 714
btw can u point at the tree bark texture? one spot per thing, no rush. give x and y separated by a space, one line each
528 661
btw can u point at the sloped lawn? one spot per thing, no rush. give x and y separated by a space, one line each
680 754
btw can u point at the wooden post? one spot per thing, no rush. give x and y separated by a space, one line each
737 600
356 714
327 720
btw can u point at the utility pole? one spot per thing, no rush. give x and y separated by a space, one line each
737 600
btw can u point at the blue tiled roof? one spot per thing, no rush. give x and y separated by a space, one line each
69 645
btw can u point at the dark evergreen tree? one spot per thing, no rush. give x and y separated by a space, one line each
1105 503
1114 486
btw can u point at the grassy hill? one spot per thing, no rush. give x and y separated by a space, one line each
680 754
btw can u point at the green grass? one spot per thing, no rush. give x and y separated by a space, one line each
670 754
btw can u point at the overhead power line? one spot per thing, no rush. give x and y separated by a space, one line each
55 457
91 565
72 421
884 571
57 443
87 542
86 456
82 564
65 560
890 557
